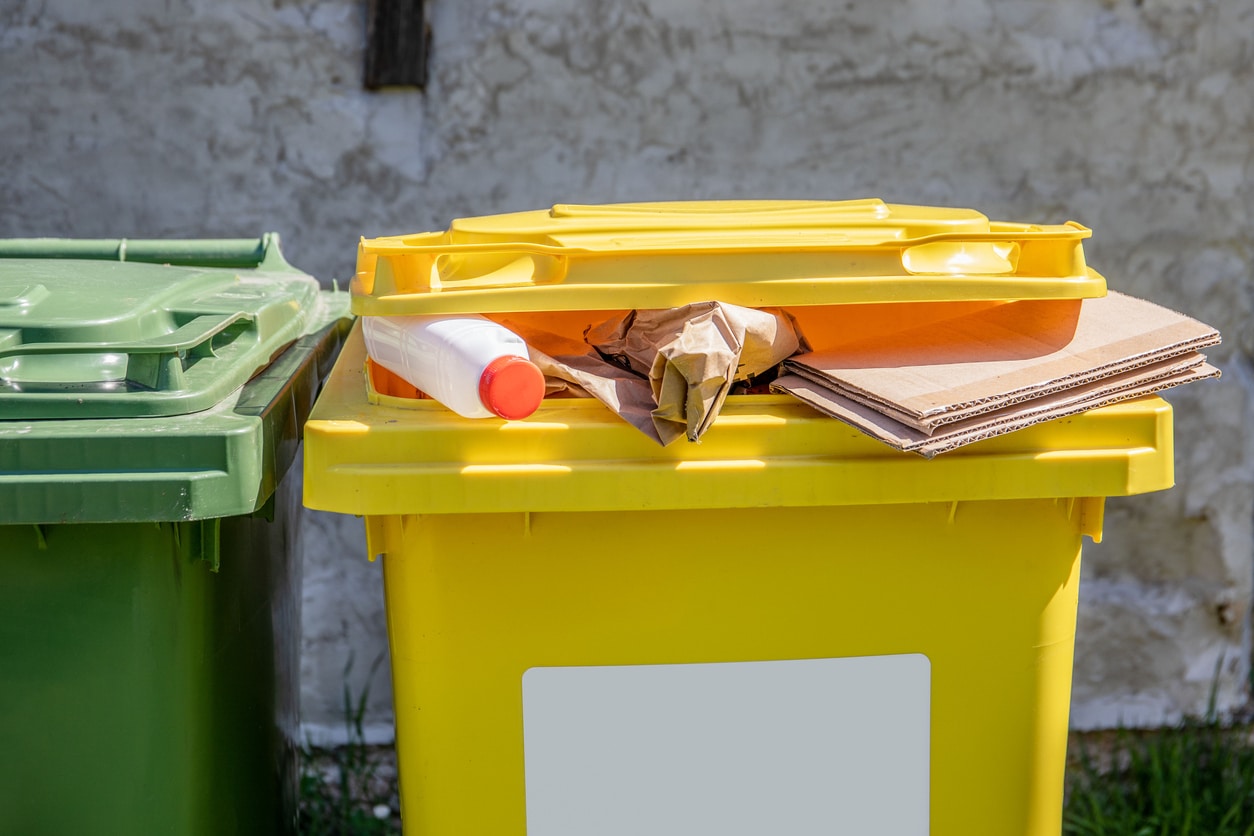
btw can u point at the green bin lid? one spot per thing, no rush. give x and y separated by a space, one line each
150 380
84 337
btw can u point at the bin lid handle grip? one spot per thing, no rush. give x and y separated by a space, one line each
155 363
818 240
195 337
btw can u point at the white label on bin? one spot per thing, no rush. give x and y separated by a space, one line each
786 748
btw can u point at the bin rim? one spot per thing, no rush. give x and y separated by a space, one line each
382 459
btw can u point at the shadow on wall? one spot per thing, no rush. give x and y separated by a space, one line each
344 633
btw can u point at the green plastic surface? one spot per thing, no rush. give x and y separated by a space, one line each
99 338
149 582
144 692
225 459
199 252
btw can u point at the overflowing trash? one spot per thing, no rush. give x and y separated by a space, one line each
925 328
667 372
1001 369
925 390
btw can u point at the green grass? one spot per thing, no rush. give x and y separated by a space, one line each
344 789
1196 779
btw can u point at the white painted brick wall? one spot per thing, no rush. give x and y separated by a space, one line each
176 118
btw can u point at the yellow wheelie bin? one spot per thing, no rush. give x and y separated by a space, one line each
786 628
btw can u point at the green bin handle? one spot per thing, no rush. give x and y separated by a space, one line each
254 253
155 363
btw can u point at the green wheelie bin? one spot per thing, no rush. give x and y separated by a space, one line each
152 398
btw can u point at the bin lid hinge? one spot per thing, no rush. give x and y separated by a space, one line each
1092 516
382 532
199 540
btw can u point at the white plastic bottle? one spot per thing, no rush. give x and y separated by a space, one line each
467 362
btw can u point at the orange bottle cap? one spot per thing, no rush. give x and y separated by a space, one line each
511 387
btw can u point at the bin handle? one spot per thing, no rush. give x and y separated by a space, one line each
816 240
250 253
155 363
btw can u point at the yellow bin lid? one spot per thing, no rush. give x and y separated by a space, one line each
751 253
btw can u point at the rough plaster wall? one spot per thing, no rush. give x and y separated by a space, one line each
225 117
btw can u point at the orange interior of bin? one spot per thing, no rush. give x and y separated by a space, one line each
824 326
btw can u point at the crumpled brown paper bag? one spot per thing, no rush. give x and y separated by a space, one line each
673 368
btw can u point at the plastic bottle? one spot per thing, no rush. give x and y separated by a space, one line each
472 365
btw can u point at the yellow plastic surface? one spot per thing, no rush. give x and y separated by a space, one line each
569 538
752 253
987 593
